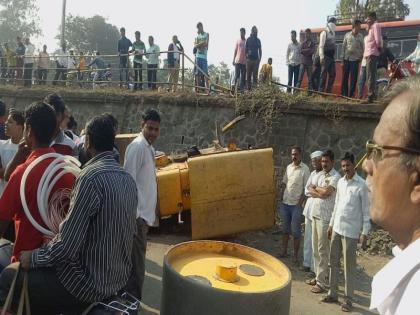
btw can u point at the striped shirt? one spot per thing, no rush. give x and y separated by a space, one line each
92 251
323 208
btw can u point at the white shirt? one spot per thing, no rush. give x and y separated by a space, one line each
63 57
7 151
293 56
312 181
328 33
29 53
295 179
140 163
396 287
351 209
323 208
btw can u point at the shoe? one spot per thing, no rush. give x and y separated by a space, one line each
311 282
317 289
329 299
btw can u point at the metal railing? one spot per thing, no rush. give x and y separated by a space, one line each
13 70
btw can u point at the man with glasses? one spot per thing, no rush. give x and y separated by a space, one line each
393 179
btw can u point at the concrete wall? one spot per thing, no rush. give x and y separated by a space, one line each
315 126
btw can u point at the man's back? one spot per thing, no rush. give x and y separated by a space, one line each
92 253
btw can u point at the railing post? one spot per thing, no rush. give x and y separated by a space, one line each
183 72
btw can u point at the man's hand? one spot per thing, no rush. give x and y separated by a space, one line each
26 259
363 241
329 232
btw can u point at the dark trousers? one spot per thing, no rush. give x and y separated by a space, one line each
27 74
138 257
350 71
240 75
60 75
252 72
371 75
293 76
138 76
19 69
308 70
316 76
123 70
42 76
46 293
362 82
152 76
327 70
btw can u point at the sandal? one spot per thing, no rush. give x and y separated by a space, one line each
317 289
311 282
347 306
329 299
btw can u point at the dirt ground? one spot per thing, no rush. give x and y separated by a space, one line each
303 302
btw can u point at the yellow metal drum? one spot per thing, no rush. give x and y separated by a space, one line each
211 277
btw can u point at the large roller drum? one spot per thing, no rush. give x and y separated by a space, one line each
220 278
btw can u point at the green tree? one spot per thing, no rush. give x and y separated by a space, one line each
89 34
18 18
220 74
383 8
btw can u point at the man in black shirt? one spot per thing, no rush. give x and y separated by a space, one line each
385 58
253 57
124 45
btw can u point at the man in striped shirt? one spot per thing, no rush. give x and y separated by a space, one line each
90 258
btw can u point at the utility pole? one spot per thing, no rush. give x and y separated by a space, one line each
63 24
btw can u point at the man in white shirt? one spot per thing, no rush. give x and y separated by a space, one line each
294 181
140 163
323 205
8 148
308 264
152 54
350 217
327 50
393 179
293 60
29 63
62 60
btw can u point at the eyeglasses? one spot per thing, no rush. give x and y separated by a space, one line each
375 151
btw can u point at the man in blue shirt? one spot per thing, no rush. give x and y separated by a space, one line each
124 45
253 57
201 44
100 68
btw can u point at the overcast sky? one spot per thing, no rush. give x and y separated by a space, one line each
221 19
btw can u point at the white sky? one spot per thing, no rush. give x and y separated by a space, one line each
221 19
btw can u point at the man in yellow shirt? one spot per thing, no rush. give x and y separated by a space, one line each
266 73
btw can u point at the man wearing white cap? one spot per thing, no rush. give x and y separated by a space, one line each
308 264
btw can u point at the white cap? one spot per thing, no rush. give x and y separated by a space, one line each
316 154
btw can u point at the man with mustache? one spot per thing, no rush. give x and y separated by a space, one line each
350 216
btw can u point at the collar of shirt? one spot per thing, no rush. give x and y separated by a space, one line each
37 153
100 156
386 281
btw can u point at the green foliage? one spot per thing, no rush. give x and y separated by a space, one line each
383 8
91 34
18 18
220 74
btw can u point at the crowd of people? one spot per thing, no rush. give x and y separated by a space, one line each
363 59
338 209
336 212
101 245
